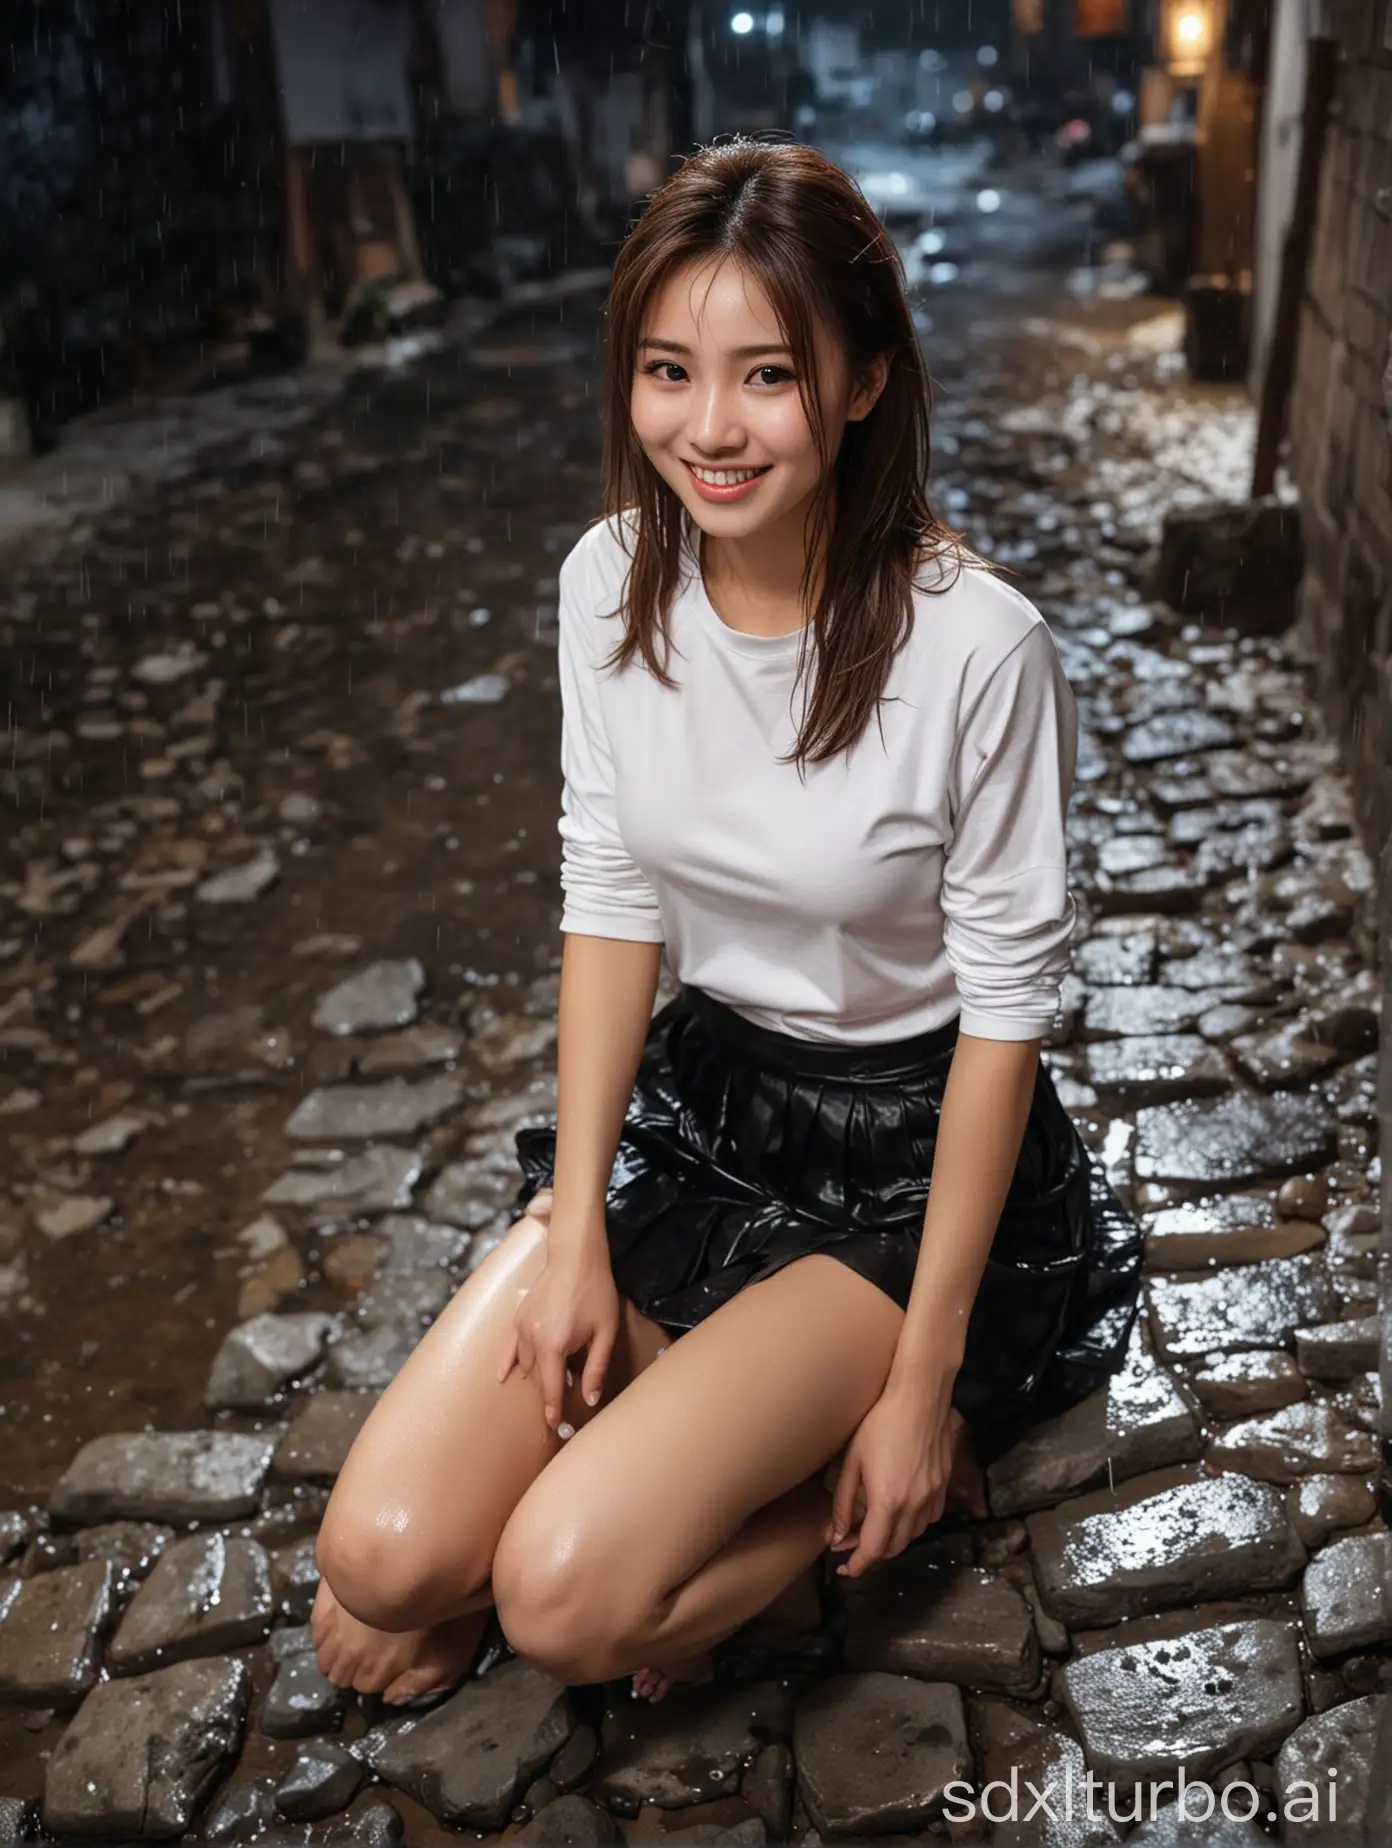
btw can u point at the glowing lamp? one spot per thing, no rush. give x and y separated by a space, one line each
1189 33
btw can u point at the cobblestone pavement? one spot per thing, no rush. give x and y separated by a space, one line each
278 984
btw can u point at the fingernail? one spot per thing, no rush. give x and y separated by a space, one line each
838 1534
570 1377
592 1398
565 1430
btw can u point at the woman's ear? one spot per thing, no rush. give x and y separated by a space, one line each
870 382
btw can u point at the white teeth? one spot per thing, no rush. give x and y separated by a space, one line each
723 477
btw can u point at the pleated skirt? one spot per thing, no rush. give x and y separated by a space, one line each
744 1149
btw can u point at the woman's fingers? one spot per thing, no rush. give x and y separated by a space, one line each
597 1359
844 1499
875 1531
551 1371
509 1359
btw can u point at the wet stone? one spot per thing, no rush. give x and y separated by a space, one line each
1346 1595
1232 1139
174 1476
1177 734
295 1579
875 1753
369 1823
261 1356
1136 1421
1322 1505
409 1051
1154 1068
241 885
411 1297
1343 1741
1224 1229
468 1760
1339 1350
1240 1385
767 1786
319 1437
1104 1557
471 1195
942 1623
569 1822
1018 1750
111 1137
378 1180
140 1754
1309 1439
302 1700
207 1594
51 1630
1149 1012
322 1781
19 1822
1202 1700
378 998
1279 1057
353 1260
415 1243
68 1215
370 1358
357 1113
1113 961
242 1814
688 1748
1251 1306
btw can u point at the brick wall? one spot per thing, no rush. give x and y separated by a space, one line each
1341 413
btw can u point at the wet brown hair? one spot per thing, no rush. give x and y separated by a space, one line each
803 230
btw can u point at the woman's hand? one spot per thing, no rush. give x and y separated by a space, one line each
894 1477
573 1305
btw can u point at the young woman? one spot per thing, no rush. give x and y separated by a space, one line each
819 757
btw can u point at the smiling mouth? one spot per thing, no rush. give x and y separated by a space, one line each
725 484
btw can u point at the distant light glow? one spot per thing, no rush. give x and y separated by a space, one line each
988 200
931 61
1189 27
994 101
742 23
963 101
940 273
1123 102
988 55
775 22
930 243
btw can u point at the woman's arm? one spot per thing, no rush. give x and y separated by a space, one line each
608 987
985 1106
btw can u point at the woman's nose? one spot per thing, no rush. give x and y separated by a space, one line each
716 423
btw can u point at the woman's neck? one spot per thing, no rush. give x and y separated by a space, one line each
755 584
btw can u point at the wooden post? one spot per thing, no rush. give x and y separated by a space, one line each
1320 73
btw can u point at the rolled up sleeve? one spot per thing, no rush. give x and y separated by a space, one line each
1008 913
605 894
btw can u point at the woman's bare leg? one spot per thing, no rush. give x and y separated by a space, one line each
696 1497
406 1545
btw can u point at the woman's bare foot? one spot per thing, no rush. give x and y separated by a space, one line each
657 1683
397 1664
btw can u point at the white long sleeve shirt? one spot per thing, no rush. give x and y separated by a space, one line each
921 874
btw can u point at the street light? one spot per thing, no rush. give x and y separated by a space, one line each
742 23
1189 35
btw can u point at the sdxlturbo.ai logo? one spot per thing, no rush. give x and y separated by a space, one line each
1062 1800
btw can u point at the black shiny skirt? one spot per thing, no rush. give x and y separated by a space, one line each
744 1149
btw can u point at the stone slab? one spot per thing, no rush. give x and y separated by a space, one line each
942 1623
51 1631
1201 1701
876 1753
470 1759
1104 1557
318 1438
1137 1421
1248 1306
140 1755
208 1594
174 1476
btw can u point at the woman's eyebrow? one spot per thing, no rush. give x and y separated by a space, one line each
745 352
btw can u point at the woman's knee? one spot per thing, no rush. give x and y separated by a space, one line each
388 1579
557 1606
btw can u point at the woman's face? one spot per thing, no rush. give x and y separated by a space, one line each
716 403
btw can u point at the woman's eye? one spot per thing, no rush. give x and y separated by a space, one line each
663 369
772 375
